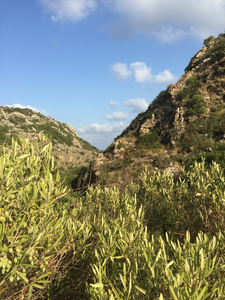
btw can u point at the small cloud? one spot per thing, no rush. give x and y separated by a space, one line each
30 107
165 76
113 104
116 116
138 104
141 72
105 128
68 10
120 71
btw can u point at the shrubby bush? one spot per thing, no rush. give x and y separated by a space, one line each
197 105
150 140
163 240
209 39
36 236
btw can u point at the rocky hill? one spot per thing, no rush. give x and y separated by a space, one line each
72 152
183 123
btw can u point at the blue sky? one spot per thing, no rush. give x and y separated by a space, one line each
96 64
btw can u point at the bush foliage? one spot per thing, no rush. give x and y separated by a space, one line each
150 140
196 105
162 240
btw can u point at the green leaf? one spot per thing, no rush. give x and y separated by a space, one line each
202 292
113 253
22 221
38 286
43 275
22 276
97 285
2 291
30 291
23 156
2 231
43 281
29 266
140 289
173 293
45 147
124 285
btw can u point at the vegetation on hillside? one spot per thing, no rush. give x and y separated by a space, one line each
161 239
218 48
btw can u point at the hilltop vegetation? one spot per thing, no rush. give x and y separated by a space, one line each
161 240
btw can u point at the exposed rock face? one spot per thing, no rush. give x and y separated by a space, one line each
67 146
197 96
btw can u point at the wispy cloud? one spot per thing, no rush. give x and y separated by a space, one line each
101 135
113 104
68 10
138 104
30 107
177 20
102 128
116 116
169 21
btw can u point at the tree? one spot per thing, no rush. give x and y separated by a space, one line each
209 39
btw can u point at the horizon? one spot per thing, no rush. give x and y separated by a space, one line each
95 65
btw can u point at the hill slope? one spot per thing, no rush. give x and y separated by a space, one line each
182 123
72 152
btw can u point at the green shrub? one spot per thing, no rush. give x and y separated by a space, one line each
158 98
87 146
120 145
216 50
34 233
163 241
150 140
50 130
209 39
110 148
192 84
17 120
197 105
130 264
3 135
24 111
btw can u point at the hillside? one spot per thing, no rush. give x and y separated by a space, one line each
183 123
72 152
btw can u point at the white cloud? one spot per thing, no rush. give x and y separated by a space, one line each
113 104
165 76
105 128
138 104
120 71
68 10
141 72
30 107
101 135
118 116
169 21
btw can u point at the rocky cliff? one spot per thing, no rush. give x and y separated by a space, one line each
183 122
69 148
